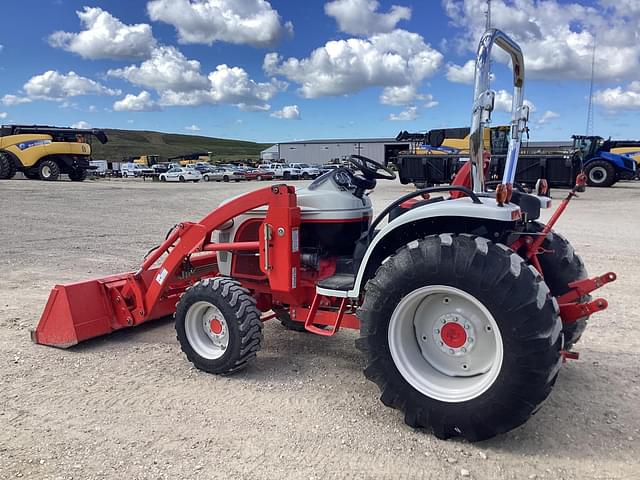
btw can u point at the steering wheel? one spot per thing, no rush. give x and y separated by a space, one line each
371 169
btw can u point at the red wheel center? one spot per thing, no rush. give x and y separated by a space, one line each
215 326
453 335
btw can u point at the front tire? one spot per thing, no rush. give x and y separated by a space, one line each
225 178
7 167
181 179
218 325
461 335
48 170
600 174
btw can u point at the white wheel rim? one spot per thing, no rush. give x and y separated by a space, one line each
206 330
46 171
597 174
454 364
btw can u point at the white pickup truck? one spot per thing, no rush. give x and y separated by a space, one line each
307 170
282 170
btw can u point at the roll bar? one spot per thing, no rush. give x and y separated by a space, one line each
483 102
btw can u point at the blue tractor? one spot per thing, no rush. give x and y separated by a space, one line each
607 161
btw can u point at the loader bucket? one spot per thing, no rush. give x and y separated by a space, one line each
77 312
89 309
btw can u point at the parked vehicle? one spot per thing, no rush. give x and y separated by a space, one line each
607 161
466 303
161 167
282 170
43 152
224 173
258 174
307 170
131 169
181 174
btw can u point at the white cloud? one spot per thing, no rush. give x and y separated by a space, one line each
556 37
192 128
289 112
403 95
547 117
461 73
136 103
104 36
411 113
503 101
167 69
618 98
360 17
11 100
81 124
230 85
395 59
92 109
53 85
252 22
431 102
3 115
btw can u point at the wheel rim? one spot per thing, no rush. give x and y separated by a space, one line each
46 171
597 174
445 343
206 330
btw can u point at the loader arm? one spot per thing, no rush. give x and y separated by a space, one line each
84 310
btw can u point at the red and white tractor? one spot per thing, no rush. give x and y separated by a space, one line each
466 304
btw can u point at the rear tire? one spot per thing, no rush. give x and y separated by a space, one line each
305 176
78 175
206 178
561 265
181 179
48 170
218 325
225 178
490 293
600 174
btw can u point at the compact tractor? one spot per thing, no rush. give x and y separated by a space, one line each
43 152
466 304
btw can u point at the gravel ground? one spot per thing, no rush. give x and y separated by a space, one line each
130 405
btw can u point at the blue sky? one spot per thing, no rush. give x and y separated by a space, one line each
311 69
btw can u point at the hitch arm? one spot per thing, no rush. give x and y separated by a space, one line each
571 309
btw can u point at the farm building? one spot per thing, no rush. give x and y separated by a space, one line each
324 151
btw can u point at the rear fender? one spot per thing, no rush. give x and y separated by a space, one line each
453 216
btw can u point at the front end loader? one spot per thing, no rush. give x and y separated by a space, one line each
44 152
467 305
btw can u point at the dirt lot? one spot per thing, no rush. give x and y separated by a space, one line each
131 406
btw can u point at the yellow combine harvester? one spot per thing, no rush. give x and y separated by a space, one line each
44 152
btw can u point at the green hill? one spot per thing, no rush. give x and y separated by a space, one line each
133 143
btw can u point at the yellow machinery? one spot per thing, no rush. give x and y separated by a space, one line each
147 160
43 152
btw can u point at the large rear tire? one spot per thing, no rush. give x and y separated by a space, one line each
461 335
600 173
218 325
561 265
48 170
